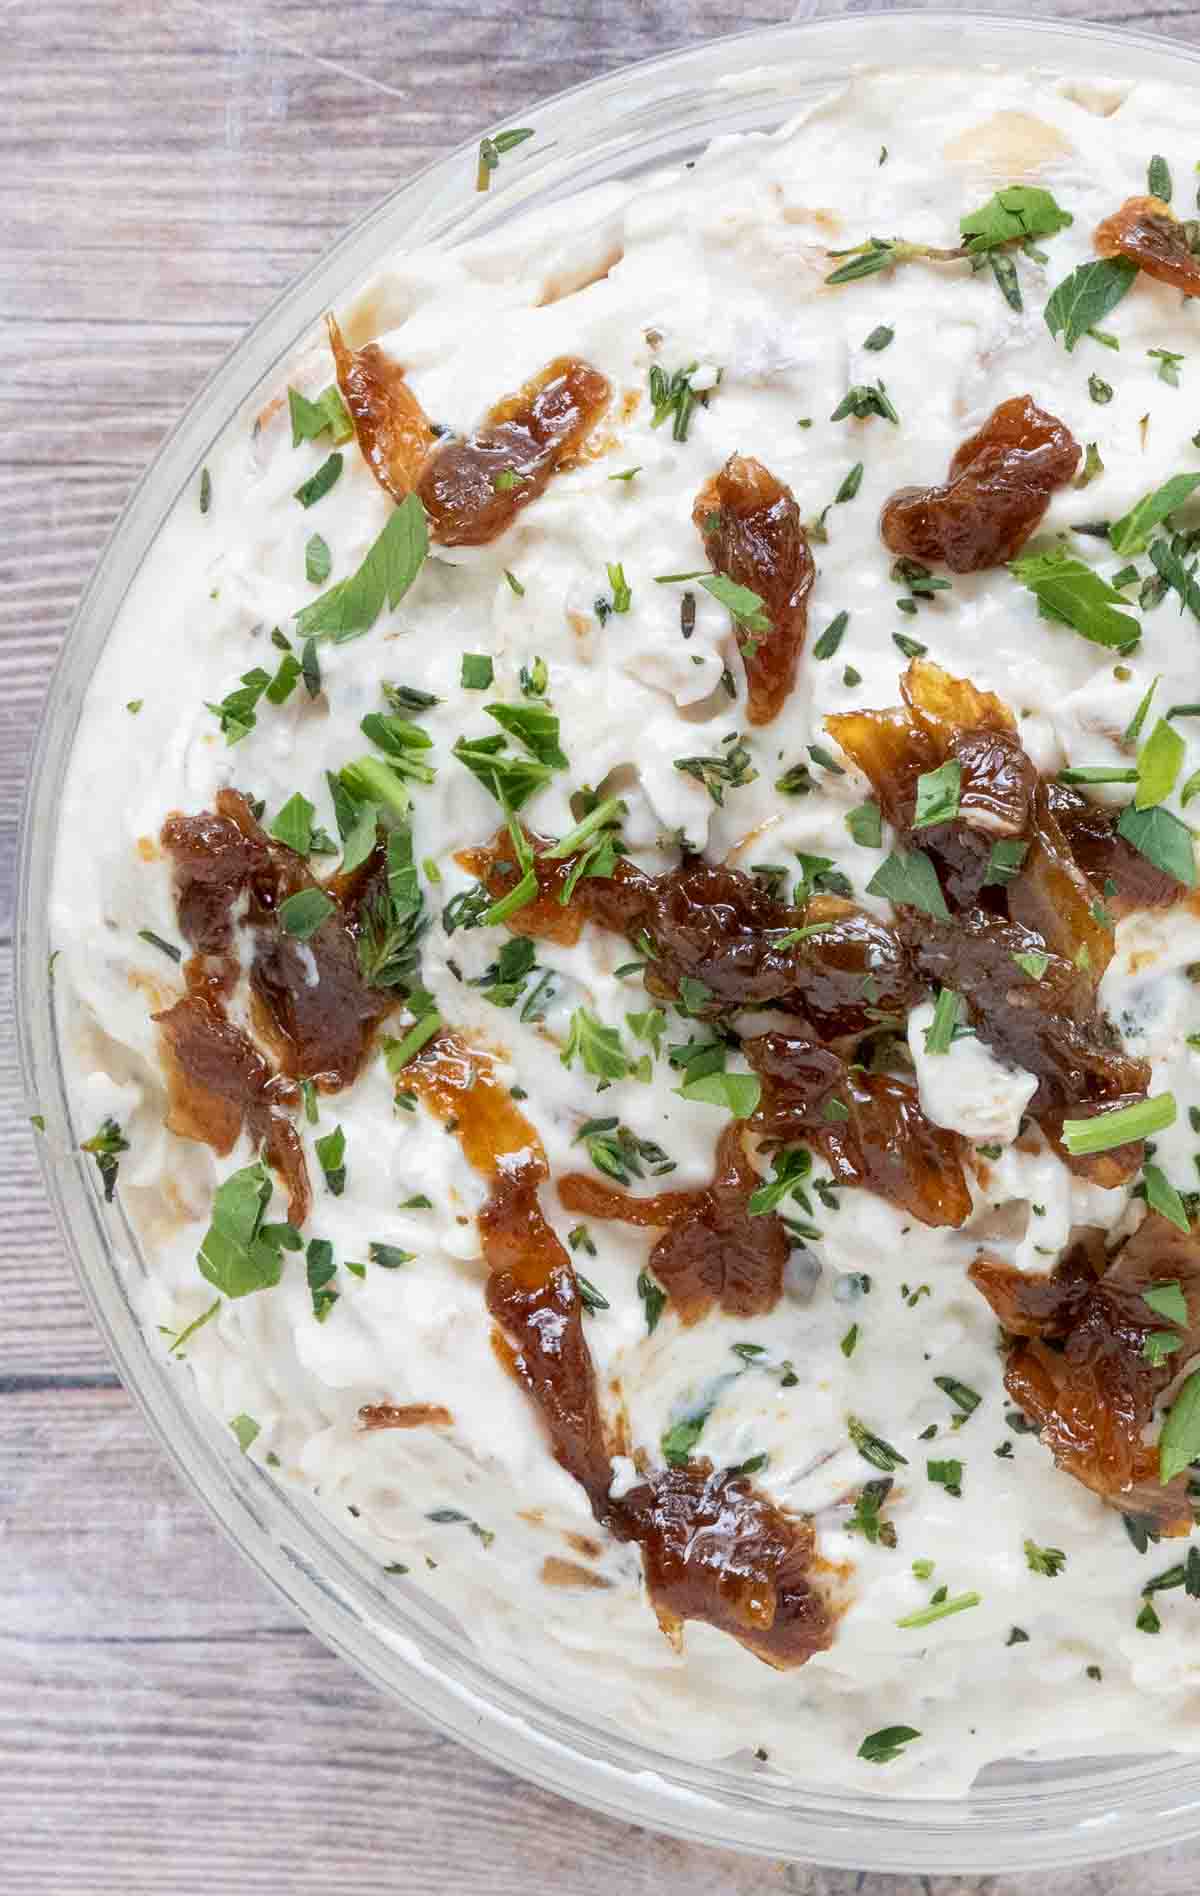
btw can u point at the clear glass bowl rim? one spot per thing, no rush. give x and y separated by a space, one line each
1034 1816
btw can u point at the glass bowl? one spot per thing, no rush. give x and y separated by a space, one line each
1020 1815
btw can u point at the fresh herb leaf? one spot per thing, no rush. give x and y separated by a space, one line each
352 606
1130 535
317 560
963 1397
939 1035
865 825
1162 1197
730 770
739 1093
1173 572
534 726
597 1046
1179 1443
937 794
1085 298
865 399
1100 391
511 780
1168 365
318 485
1005 860
477 671
873 1448
167 948
294 824
1034 963
947 1475
236 710
1018 211
653 1300
908 878
850 485
1158 179
1069 591
1048 1561
238 1255
788 1171
1162 839
1167 1300
105 1146
1159 762
331 1156
301 915
320 1271
880 1747
831 637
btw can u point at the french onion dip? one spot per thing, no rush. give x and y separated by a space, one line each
627 936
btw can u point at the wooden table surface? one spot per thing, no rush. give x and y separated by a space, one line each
167 166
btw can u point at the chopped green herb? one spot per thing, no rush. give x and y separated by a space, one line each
205 490
863 400
317 560
865 825
1118 1126
318 485
1070 593
738 1093
908 878
492 149
294 824
597 1046
880 1747
1168 365
1158 179
653 1300
873 1448
1085 297
1034 963
167 948
301 915
1048 1561
246 1429
939 1035
1162 839
961 1394
789 1169
850 484
1163 1198
1099 390
534 726
239 1254
1167 1300
105 1146
938 794
1131 534
940 1609
1019 211
320 1270
1179 1443
352 606
331 1156
831 637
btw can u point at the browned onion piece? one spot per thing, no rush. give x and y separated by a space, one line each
473 486
394 433
998 488
1093 1394
751 528
879 1139
712 1251
1147 232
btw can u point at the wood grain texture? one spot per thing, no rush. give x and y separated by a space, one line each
166 166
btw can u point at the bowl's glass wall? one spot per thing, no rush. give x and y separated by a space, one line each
1022 1816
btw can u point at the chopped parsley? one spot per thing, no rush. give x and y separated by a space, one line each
106 1146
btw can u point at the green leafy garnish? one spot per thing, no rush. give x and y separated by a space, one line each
831 637
739 1093
1167 1300
1162 839
1179 1443
908 878
318 485
597 1046
865 825
1173 572
331 1156
492 149
1159 762
238 1255
880 1747
939 1035
873 1448
788 1171
679 1441
317 560
352 606
301 915
937 794
320 1271
947 1475
534 726
1158 179
940 1609
1085 298
237 709
477 671
1018 211
1069 591
105 1146
1048 1561
294 824
1130 535
729 769
1119 1126
653 1300
511 780
246 1429
1162 1197
865 399
391 919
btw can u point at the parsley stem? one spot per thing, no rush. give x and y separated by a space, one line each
1098 773
1108 1129
928 1614
597 819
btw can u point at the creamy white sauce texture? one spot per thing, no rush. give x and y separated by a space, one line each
725 261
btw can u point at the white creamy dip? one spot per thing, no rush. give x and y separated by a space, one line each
723 263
